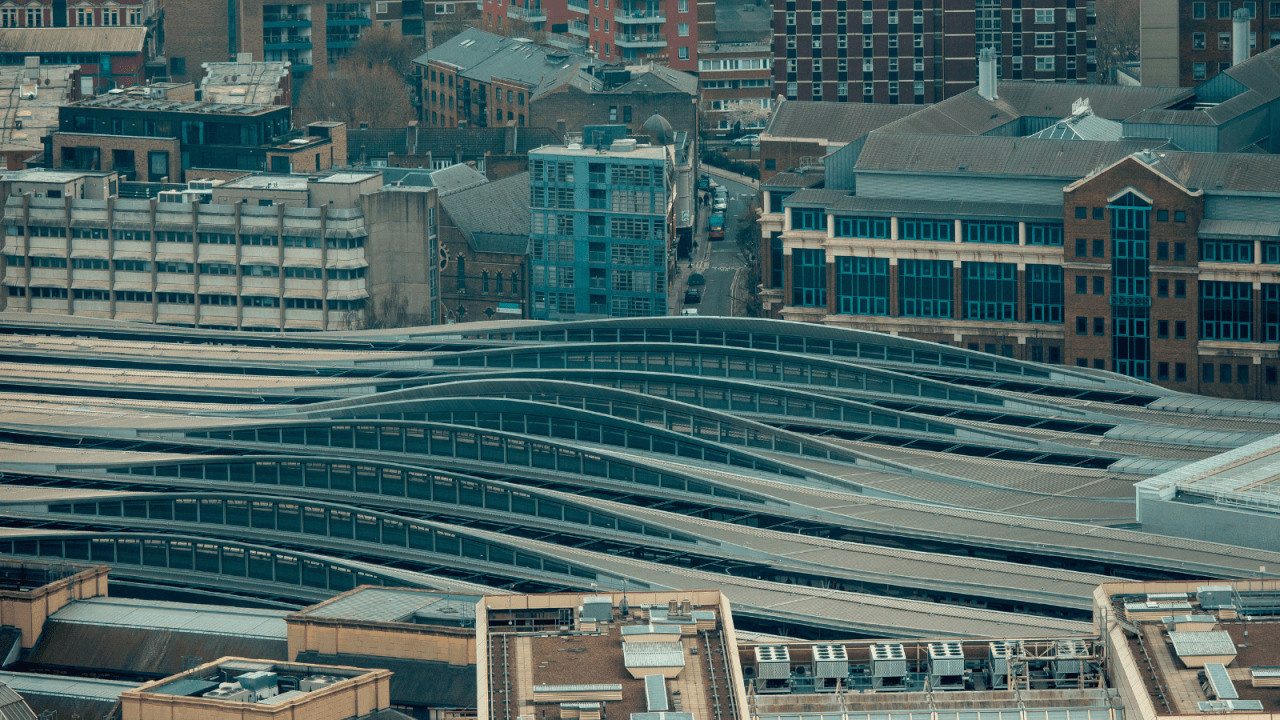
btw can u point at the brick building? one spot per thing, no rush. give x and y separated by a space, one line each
149 138
887 51
736 81
479 79
799 132
1185 42
108 57
265 252
484 241
310 36
496 152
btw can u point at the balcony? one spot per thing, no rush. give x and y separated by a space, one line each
533 13
342 40
347 18
579 6
579 28
283 20
640 40
286 41
639 17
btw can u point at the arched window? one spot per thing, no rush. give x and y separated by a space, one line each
515 283
462 273
484 281
499 282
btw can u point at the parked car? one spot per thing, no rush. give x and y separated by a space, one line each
752 140
720 204
692 296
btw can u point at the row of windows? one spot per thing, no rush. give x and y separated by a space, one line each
974 231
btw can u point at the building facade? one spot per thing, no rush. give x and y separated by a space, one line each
1150 267
484 241
600 242
267 253
310 36
735 85
889 52
1185 42
150 138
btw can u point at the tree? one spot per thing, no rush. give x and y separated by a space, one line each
465 16
747 235
379 45
1116 29
358 92
744 114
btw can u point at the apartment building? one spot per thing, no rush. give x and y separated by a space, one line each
627 31
149 136
599 241
263 252
1185 42
889 51
479 80
736 84
310 36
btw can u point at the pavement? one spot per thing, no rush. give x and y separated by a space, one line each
721 262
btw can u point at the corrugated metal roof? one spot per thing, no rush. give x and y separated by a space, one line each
608 687
1199 644
653 654
380 605
841 200
80 687
1013 157
73 40
837 123
655 693
149 614
12 706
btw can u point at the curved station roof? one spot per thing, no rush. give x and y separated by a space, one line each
829 482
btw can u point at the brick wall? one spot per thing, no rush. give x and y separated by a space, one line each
107 144
570 109
195 33
786 154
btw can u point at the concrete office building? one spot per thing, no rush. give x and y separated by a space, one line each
291 252
601 222
889 51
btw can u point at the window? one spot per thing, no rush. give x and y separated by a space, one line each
1252 7
1162 329
1044 235
132 296
842 90
1224 373
111 17
990 291
1162 371
809 277
1082 325
8 17
683 6
1197 11
135 16
1098 249
1044 17
1197 41
1005 233
35 17
1179 288
1226 251
1224 41
1044 40
1044 63
380 8
84 16
817 44
1180 330
1082 285
939 230
808 219
1206 373
1099 326
1082 246
862 285
1044 293
683 29
1162 287
924 288
1162 251
1198 70
1226 310
791 18
1224 10
1099 285
1274 9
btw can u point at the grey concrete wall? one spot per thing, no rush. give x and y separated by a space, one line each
1212 523
401 249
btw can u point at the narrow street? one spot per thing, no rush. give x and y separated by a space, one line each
721 262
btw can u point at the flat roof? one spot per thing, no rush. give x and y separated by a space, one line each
386 605
65 686
293 183
641 152
347 177
153 614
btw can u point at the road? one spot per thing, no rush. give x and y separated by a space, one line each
724 264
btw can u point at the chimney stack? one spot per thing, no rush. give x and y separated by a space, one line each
1239 36
987 73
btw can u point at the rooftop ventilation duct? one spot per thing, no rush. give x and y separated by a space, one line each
987 73
1239 36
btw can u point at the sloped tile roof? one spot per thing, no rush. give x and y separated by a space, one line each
837 122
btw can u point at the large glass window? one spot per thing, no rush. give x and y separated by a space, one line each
808 219
862 227
862 285
925 230
775 259
1271 313
1130 286
1003 233
1226 310
924 288
990 291
1044 234
809 278
1227 251
1044 293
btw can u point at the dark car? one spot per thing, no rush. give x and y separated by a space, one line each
692 296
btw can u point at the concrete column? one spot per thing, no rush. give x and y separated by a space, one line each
893 228
833 303
957 288
764 202
1020 306
893 280
959 231
1022 232
831 226
786 221
1257 252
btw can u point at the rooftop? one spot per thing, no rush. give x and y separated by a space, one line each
405 605
33 41
638 152
493 216
33 96
837 123
128 101
247 83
